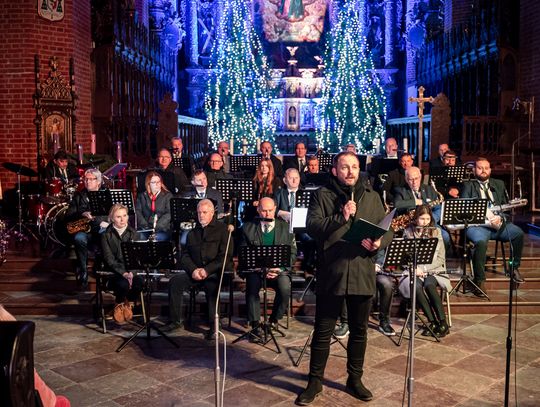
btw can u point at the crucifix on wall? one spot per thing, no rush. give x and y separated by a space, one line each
421 100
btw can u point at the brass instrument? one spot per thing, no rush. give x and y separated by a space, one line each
402 221
80 225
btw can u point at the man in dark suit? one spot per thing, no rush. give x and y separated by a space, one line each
266 151
298 161
223 150
202 190
497 227
438 162
201 264
267 231
396 178
165 164
60 168
215 170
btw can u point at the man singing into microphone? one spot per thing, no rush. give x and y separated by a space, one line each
485 187
201 264
346 271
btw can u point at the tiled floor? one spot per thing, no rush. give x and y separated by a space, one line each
466 369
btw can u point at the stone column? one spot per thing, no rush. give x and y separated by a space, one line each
390 26
192 39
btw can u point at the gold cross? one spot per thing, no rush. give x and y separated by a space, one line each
421 100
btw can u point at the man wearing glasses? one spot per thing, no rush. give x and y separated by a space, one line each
79 208
166 165
215 170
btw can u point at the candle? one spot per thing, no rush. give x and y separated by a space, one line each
244 146
119 151
405 145
56 142
258 142
376 145
80 153
93 144
231 145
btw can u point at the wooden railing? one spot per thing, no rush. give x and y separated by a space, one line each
194 134
407 128
481 136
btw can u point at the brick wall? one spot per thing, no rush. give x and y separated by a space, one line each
529 43
25 34
456 12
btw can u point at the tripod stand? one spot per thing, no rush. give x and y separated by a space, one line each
413 252
20 169
148 255
466 212
264 258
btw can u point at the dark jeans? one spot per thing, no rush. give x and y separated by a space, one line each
181 283
82 241
328 308
281 285
385 288
480 235
428 299
120 286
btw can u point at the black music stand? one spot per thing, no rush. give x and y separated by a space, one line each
148 256
236 190
183 210
183 162
102 200
264 258
466 212
303 198
411 252
326 161
245 163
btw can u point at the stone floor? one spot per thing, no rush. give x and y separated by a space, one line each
466 369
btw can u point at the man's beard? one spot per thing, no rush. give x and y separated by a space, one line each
482 177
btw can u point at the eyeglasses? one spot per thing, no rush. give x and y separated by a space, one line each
89 179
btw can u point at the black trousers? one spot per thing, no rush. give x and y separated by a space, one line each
181 283
328 308
428 299
281 285
120 286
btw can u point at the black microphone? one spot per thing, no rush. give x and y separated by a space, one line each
261 219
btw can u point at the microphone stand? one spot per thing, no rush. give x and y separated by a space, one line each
217 370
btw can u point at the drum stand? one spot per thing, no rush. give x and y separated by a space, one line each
20 226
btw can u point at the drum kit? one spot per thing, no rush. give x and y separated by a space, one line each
46 212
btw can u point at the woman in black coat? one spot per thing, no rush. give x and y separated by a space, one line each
153 208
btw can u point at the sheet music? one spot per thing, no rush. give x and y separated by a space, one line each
298 218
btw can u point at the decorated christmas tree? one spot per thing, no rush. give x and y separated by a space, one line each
352 108
237 95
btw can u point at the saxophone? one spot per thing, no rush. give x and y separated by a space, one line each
80 225
402 221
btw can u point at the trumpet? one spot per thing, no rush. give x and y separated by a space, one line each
79 225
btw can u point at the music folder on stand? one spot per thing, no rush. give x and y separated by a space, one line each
148 256
466 213
263 258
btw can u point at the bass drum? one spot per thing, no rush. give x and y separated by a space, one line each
55 225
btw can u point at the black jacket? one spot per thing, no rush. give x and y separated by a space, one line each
205 247
145 216
404 198
344 268
111 245
80 204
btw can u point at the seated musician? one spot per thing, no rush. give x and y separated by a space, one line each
215 170
438 162
223 150
396 178
416 193
390 148
126 285
201 264
313 175
60 168
153 209
202 190
497 226
428 276
267 231
79 210
265 184
165 163
452 188
298 161
176 150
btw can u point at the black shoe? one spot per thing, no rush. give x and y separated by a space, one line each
342 330
256 334
82 279
431 330
172 326
518 277
312 391
442 329
385 328
358 390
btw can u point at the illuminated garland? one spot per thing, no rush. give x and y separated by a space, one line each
352 108
237 95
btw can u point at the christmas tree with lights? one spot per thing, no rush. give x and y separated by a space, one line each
237 99
352 108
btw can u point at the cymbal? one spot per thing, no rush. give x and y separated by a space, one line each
20 169
92 164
